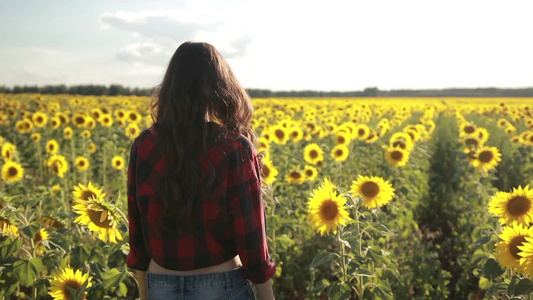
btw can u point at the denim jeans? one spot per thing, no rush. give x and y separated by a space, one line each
228 285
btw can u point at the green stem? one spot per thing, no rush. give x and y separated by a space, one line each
343 261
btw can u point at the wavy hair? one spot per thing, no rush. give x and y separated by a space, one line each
198 86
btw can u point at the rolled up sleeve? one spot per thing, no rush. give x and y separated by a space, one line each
248 213
138 258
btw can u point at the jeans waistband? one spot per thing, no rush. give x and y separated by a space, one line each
231 278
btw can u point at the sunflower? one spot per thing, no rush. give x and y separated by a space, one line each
342 138
375 191
295 176
67 277
279 135
397 156
401 140
362 131
507 250
526 255
132 131
133 116
62 118
12 171
106 120
487 158
466 129
268 171
313 153
326 209
8 151
296 134
311 173
92 148
67 133
24 126
55 123
85 134
82 163
52 147
39 119
340 153
99 216
86 193
48 221
118 162
36 137
96 113
515 206
472 142
7 228
41 236
57 165
90 122
79 120
56 189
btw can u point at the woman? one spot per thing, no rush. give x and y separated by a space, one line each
196 217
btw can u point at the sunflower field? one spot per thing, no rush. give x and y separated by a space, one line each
366 198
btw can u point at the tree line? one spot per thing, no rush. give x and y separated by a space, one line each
117 89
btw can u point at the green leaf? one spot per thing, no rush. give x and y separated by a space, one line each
483 240
364 272
320 286
8 247
26 270
31 229
9 283
339 290
524 287
113 277
375 253
324 258
492 269
383 290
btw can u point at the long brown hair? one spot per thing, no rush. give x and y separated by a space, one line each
198 84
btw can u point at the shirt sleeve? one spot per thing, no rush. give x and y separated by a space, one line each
248 212
138 258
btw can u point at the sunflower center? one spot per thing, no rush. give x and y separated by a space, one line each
396 155
513 246
313 154
80 120
486 156
339 152
280 134
519 206
361 132
329 210
118 163
71 283
399 144
81 163
265 171
472 142
96 217
309 172
12 172
86 195
370 189
295 175
39 119
133 117
470 129
340 140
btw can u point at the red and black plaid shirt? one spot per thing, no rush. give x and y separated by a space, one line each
230 219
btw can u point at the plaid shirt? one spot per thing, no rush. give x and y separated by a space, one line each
230 218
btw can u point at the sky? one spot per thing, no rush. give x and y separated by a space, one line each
277 44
